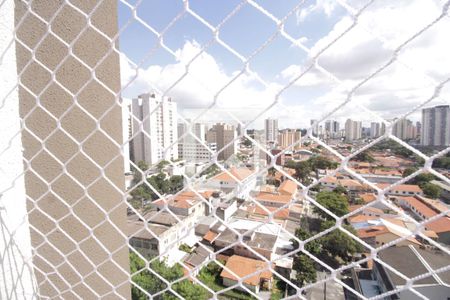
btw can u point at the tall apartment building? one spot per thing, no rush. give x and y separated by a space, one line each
315 130
194 149
332 128
288 137
353 130
404 129
271 129
154 127
223 134
377 129
435 127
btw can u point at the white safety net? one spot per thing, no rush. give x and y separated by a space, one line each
146 168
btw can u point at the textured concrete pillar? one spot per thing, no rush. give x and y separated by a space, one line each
74 173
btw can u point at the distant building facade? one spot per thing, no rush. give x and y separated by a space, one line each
157 139
271 130
435 127
353 130
332 128
289 137
225 138
315 128
404 129
193 146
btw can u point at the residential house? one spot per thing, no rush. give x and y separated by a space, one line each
185 203
241 267
424 209
272 199
236 181
401 189
160 233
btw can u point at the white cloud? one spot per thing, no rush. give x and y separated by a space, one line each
204 79
359 53
325 6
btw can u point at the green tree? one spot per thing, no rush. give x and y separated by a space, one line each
338 244
336 203
210 171
442 162
408 171
188 291
321 162
271 171
305 270
340 190
364 156
246 142
162 164
142 166
312 247
303 171
152 284
146 280
176 183
431 190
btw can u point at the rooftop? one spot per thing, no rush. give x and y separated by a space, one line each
401 187
273 197
138 230
280 214
243 266
163 218
408 260
239 173
442 224
288 187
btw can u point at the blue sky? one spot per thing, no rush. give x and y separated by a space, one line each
316 22
245 32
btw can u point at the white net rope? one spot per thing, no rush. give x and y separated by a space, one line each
177 239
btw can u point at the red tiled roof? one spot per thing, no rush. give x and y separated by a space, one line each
210 236
372 231
367 198
281 214
402 187
238 173
361 218
273 197
442 224
243 266
288 187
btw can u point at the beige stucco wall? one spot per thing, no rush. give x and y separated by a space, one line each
72 259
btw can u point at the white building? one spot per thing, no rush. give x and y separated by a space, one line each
353 130
154 128
435 129
228 183
404 129
375 129
193 147
271 130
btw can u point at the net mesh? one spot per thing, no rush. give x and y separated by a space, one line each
222 230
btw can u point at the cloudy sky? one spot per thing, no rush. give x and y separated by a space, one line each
197 70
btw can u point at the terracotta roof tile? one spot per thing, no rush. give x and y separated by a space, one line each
288 187
238 173
243 266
